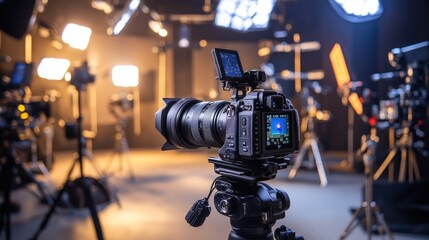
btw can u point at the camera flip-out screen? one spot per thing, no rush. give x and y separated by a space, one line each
278 135
228 65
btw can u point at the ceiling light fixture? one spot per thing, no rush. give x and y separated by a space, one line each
244 15
358 10
124 17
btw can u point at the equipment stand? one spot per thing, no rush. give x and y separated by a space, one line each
405 146
37 166
310 140
8 169
122 149
368 209
85 183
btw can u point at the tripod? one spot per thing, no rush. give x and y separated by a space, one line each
368 208
310 141
9 168
252 206
84 182
121 149
405 146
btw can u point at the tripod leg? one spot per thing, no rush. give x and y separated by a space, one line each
368 219
403 164
319 163
128 157
386 162
46 196
93 210
298 159
380 220
414 165
348 228
57 200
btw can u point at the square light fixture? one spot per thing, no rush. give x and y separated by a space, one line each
125 76
244 15
53 68
76 36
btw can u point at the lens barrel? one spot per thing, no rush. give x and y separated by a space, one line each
190 123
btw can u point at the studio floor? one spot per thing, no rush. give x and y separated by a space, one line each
168 183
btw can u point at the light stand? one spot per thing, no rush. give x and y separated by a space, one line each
121 149
310 141
368 208
84 182
404 145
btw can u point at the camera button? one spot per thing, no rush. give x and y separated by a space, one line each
243 121
245 150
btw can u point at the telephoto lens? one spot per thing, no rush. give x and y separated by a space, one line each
190 123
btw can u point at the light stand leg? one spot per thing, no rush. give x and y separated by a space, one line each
403 165
385 163
299 158
319 163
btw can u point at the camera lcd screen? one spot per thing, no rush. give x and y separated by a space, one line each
231 64
277 131
228 65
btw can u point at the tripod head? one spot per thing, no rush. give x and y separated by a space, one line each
252 206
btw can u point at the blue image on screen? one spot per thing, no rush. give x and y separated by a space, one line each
279 126
231 65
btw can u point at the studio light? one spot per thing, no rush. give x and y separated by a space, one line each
76 36
158 27
125 76
246 15
184 36
358 10
124 18
53 68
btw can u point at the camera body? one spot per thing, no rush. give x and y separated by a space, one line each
260 124
255 125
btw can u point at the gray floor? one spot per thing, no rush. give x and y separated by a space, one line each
168 183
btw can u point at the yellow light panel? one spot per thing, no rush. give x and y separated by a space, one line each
339 65
356 103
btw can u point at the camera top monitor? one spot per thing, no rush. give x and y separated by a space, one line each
228 65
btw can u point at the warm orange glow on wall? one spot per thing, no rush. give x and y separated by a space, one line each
339 65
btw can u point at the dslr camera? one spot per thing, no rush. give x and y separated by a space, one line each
255 132
256 127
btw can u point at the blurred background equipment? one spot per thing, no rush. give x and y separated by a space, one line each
87 185
121 106
306 86
346 90
368 211
406 106
17 123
